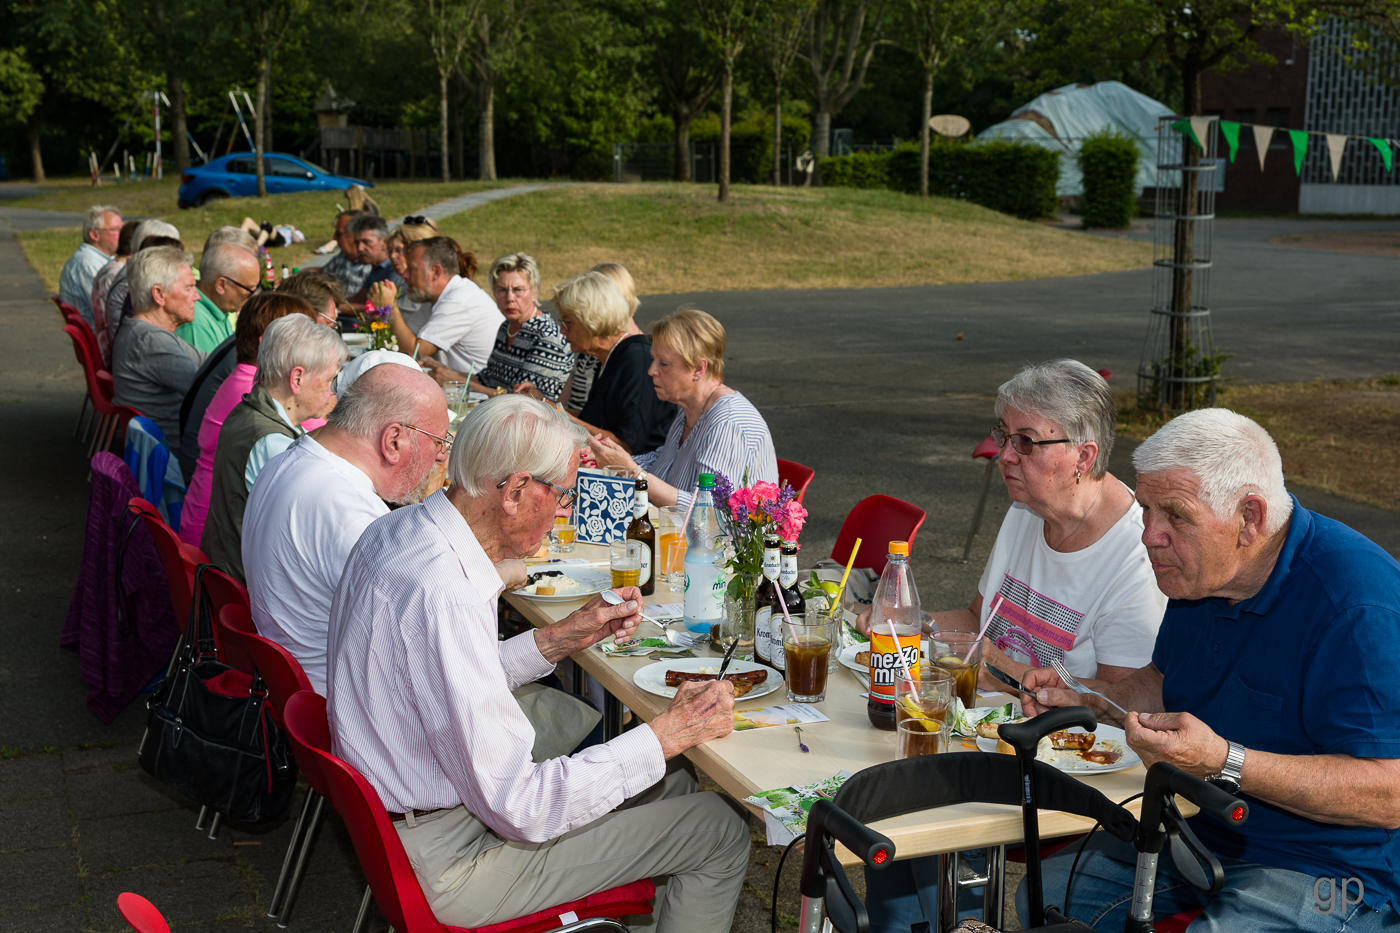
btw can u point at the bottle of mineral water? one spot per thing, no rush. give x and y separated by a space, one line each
704 578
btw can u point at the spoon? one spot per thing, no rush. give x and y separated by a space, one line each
612 599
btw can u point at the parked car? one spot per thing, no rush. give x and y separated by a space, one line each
235 176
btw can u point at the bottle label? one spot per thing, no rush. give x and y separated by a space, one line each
776 625
642 504
704 592
763 633
884 663
645 575
788 576
770 565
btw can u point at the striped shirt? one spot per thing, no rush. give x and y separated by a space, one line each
585 371
539 354
730 437
420 689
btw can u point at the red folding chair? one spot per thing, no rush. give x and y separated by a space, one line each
141 914
179 559
110 415
877 520
796 475
385 864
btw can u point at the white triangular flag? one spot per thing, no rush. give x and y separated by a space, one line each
1201 126
1263 135
1336 145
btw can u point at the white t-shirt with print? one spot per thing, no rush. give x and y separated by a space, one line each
1098 605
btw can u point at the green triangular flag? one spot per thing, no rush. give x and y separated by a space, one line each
1300 148
1184 128
1231 132
1384 147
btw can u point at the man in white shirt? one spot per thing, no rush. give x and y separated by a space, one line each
309 507
461 330
420 703
102 227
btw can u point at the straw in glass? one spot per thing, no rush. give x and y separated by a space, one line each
996 604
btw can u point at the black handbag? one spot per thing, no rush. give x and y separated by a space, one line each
209 733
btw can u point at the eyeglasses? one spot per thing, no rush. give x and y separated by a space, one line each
1023 444
444 443
567 497
239 284
417 220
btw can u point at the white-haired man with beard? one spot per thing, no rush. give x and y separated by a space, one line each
1274 676
310 505
420 702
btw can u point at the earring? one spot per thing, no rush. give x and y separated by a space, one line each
1076 476
695 378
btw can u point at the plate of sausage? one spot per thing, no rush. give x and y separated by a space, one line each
665 677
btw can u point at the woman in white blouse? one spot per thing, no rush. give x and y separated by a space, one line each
717 429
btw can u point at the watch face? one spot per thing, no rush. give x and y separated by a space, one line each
1224 783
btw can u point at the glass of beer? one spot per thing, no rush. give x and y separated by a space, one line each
670 546
924 697
625 562
960 654
918 737
562 535
806 647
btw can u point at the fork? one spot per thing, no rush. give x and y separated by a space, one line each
1077 687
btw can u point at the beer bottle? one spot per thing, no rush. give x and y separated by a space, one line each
644 531
765 600
787 581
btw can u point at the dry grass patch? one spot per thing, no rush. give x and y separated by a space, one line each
1371 242
678 238
1340 437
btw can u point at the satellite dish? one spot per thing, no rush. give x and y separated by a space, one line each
950 124
806 162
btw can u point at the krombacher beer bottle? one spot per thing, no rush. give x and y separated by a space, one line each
765 600
644 531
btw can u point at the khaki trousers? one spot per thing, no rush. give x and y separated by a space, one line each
473 878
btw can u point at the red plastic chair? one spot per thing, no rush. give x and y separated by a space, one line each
64 308
878 520
179 559
1177 923
796 475
989 451
110 416
141 914
385 864
89 337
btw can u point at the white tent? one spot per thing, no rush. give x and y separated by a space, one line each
1062 118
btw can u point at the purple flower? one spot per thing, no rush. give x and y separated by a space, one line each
798 730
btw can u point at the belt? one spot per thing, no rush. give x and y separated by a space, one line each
400 817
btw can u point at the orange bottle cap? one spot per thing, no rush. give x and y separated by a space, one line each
899 547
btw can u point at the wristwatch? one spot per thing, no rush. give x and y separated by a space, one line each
1229 776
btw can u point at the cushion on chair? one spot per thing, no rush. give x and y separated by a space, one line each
628 899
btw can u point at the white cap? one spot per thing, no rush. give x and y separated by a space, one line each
367 361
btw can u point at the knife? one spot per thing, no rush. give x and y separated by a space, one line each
728 655
1007 679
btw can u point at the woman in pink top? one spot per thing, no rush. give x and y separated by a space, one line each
257 313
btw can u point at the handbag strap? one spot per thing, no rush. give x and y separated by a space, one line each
201 619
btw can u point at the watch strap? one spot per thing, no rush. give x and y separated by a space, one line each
1234 764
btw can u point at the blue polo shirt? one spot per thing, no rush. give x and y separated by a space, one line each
1309 665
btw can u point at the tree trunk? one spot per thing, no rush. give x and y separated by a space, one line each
925 133
459 159
778 133
35 155
260 126
269 143
486 132
442 123
726 116
821 143
175 88
682 137
1191 88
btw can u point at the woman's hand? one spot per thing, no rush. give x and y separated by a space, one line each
382 293
528 388
441 372
609 453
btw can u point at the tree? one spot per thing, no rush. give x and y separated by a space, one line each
265 24
163 30
841 39
726 24
937 30
498 40
781 28
450 24
21 91
689 74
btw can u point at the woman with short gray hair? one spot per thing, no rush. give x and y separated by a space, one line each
1068 578
529 346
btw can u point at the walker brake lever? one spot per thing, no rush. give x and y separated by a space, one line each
1195 862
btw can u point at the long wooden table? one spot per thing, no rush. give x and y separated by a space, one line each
743 763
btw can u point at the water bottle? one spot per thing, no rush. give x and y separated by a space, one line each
704 578
895 626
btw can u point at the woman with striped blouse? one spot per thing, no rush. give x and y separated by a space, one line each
717 429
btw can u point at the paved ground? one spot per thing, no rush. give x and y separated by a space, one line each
867 386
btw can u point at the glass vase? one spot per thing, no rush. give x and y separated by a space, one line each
739 615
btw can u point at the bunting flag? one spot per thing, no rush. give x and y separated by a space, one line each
1263 136
1188 128
1231 132
1336 145
1200 128
1300 148
1384 148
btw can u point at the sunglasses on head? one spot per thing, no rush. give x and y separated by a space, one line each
417 220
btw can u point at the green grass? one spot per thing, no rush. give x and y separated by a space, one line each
673 237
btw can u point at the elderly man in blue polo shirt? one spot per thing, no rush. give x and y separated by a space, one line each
1276 674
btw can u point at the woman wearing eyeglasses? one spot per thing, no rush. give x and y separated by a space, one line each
529 346
1074 581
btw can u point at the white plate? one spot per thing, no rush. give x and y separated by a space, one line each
848 657
652 678
591 579
1110 735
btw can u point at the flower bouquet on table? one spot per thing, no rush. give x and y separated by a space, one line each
749 513
374 320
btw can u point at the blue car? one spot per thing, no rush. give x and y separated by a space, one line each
235 176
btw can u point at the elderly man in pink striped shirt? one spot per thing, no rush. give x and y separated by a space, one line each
420 703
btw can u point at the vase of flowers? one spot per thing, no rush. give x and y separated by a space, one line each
375 322
746 515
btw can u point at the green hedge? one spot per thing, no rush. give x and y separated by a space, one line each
751 143
1014 178
1109 163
